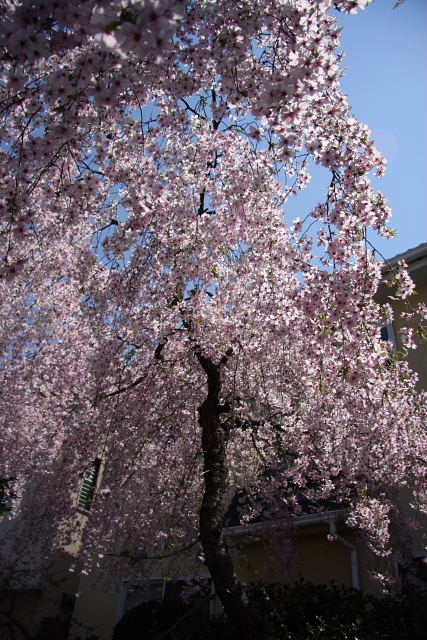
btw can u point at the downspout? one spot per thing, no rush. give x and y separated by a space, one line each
355 583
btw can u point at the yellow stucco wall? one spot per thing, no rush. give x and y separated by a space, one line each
306 553
95 611
417 358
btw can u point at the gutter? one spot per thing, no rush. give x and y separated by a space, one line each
301 521
415 258
355 582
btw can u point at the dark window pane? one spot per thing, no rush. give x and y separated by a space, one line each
385 333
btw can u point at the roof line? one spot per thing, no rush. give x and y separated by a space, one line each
300 521
410 256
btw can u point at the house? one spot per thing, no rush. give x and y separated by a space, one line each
317 546
416 259
346 560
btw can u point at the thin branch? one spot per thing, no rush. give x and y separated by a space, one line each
159 349
141 557
135 383
196 113
113 222
261 456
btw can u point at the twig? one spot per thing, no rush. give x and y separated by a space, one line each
128 556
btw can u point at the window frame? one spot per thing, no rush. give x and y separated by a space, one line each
121 606
88 487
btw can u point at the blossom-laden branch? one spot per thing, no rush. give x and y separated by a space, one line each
148 156
140 557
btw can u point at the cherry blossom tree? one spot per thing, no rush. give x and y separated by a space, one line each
157 311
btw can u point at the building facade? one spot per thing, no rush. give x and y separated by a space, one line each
317 546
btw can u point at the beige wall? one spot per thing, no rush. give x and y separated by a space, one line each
95 611
306 553
417 358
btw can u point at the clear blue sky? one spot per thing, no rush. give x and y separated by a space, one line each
386 81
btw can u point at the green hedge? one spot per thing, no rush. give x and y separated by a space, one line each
327 612
302 611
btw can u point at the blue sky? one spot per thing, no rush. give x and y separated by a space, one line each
386 81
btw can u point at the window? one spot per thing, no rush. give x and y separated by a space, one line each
147 591
387 334
7 494
414 577
89 485
168 590
420 571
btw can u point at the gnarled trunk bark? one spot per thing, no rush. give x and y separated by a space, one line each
246 622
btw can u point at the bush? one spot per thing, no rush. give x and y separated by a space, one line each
303 611
327 612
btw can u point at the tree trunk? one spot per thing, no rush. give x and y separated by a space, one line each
245 620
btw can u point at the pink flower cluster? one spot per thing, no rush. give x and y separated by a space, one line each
148 152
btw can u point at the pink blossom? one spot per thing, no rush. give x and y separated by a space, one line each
148 155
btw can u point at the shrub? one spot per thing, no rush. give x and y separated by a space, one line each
303 611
